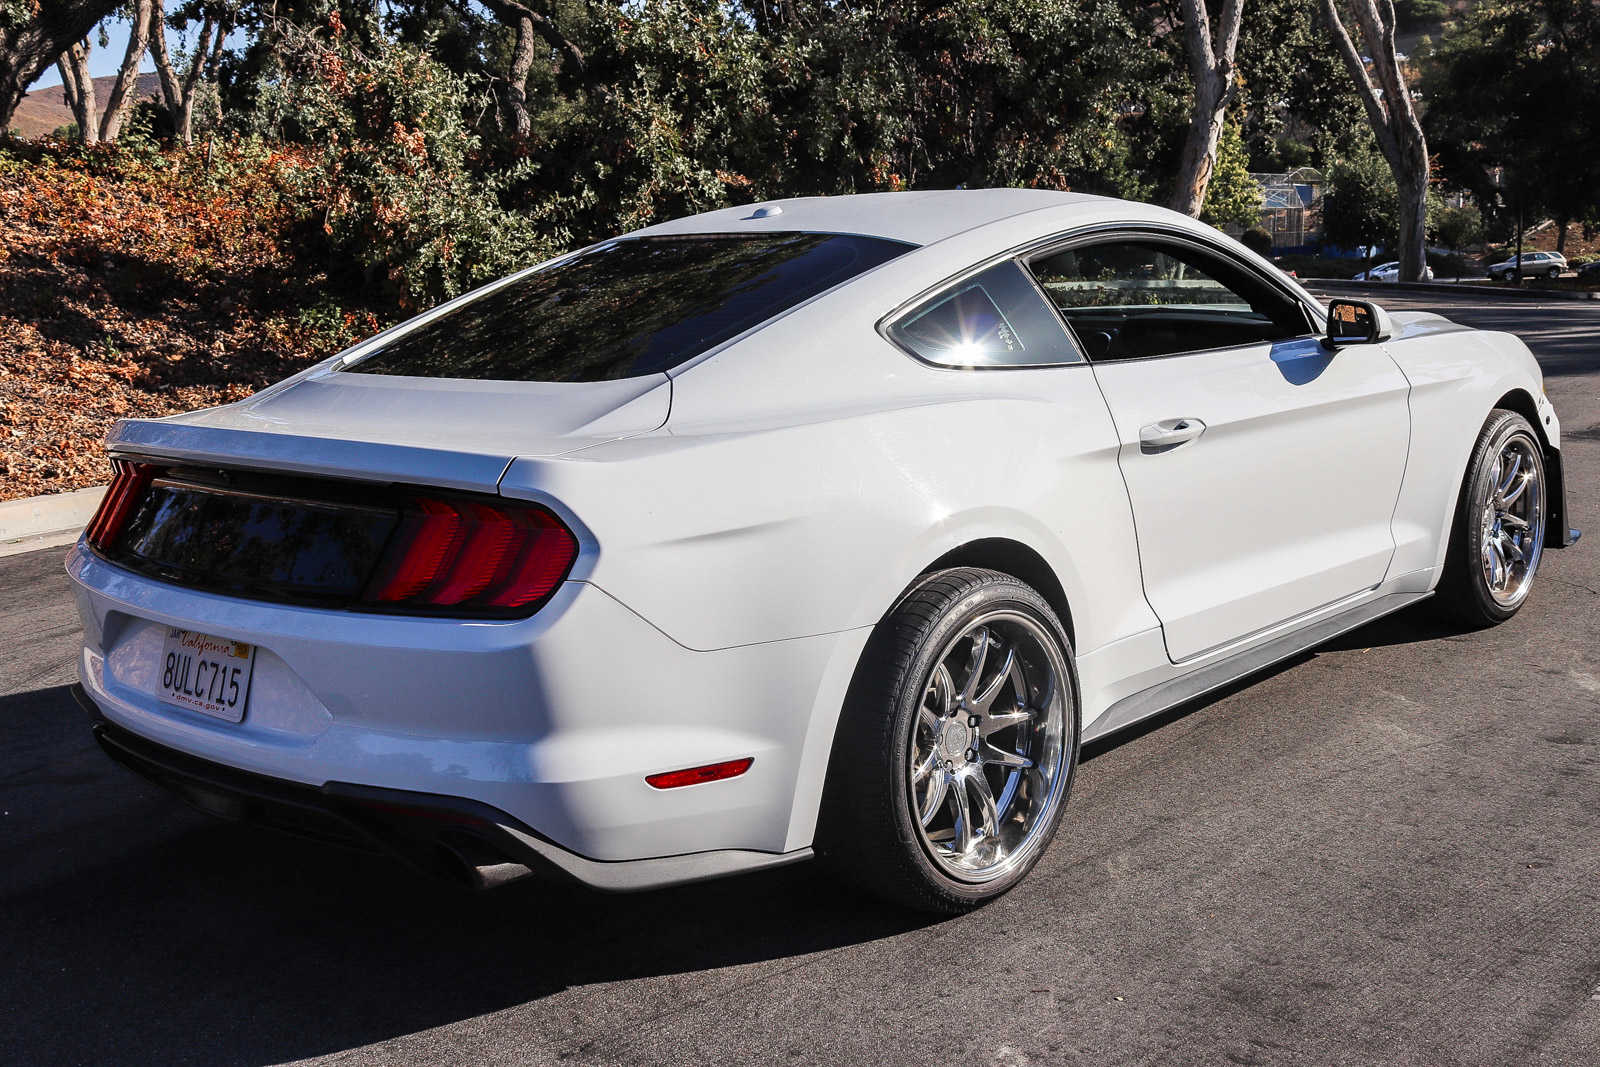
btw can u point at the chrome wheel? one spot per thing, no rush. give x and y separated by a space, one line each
1511 520
989 751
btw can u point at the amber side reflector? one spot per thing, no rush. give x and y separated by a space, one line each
711 772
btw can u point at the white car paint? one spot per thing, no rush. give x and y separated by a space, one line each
745 519
1282 505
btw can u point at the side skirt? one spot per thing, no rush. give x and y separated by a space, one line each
1164 696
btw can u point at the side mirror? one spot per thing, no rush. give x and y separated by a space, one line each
1356 322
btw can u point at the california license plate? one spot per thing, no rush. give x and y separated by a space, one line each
207 674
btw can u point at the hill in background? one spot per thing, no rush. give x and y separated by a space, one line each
45 110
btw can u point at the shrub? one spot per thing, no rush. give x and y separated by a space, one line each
386 177
1454 266
1257 240
1459 227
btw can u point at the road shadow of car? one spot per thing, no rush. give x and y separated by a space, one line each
141 931
1419 623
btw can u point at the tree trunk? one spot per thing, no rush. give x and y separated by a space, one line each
1393 119
1413 226
214 66
171 88
1212 69
523 54
28 48
1561 235
78 89
122 90
183 121
1199 156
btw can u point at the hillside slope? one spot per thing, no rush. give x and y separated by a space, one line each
45 110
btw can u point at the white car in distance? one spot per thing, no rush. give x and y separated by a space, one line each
1389 272
826 527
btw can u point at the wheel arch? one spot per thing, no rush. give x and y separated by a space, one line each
1011 557
1558 522
998 553
1521 401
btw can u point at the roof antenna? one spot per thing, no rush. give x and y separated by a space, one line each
765 211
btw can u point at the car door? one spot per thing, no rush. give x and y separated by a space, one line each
1263 469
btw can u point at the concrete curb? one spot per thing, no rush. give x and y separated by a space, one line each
1452 287
46 521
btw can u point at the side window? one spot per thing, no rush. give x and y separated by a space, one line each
994 319
1129 298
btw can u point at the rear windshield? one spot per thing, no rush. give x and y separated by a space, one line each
635 306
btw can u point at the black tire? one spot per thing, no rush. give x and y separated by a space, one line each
1555 272
1464 593
868 832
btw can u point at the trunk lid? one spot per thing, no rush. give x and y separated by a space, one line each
450 433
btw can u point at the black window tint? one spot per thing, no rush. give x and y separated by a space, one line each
1131 298
995 319
631 307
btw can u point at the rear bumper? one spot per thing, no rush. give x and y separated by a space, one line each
553 721
463 840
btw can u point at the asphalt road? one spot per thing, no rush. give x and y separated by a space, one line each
1386 852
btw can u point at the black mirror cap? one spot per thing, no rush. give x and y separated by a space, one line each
1355 322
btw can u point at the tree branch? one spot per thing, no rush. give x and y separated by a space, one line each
511 12
28 48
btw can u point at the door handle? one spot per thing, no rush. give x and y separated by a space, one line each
1168 434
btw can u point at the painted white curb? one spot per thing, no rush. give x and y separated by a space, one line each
46 521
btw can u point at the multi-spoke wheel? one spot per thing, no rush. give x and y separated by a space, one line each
1499 530
987 744
956 750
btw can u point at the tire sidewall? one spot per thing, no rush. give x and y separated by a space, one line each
1001 594
1475 496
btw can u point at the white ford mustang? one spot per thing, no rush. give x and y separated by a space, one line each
830 525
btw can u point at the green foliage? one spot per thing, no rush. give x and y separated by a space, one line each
1411 14
1362 205
1232 198
386 175
15 13
1459 227
1296 105
967 92
1516 91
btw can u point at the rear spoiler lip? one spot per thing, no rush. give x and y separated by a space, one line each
367 461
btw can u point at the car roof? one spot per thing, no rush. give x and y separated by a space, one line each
919 218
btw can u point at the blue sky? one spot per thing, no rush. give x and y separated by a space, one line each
106 60
103 60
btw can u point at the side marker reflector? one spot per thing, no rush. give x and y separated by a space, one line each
711 772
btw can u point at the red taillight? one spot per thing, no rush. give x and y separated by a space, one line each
127 486
711 772
473 556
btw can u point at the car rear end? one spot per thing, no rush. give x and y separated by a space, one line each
317 609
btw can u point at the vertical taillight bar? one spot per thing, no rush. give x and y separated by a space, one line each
128 484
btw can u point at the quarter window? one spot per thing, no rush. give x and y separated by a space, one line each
993 319
1138 297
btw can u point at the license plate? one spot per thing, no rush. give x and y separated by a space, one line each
207 674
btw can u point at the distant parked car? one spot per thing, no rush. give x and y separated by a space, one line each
1590 271
1534 264
1388 272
